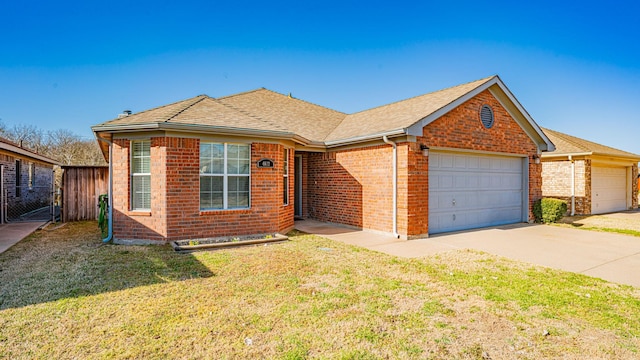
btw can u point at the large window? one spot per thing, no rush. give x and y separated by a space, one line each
285 178
18 178
141 175
224 176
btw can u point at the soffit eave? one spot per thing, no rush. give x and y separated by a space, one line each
364 138
207 129
590 155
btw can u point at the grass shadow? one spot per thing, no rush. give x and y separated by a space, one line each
70 262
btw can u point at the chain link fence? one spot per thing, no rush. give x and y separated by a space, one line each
24 203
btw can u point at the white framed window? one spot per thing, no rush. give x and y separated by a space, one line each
225 176
285 178
31 171
141 175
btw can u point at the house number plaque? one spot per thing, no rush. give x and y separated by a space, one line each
265 163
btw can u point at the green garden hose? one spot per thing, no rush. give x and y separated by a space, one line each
103 204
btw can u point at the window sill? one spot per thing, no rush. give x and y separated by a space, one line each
139 213
212 212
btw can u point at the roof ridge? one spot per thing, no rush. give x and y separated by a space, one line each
305 101
161 106
277 93
241 93
246 113
198 98
429 93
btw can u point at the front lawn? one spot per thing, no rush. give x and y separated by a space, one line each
621 223
64 295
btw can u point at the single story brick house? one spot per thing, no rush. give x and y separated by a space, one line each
592 178
459 158
26 181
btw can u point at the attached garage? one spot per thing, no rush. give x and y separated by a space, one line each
469 190
591 178
608 189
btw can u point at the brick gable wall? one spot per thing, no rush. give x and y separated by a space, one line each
175 204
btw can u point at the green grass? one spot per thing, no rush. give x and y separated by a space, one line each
64 295
610 230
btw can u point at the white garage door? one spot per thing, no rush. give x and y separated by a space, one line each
608 189
470 191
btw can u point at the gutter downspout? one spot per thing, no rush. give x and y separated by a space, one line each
110 192
395 185
573 186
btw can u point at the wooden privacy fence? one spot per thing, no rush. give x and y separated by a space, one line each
81 186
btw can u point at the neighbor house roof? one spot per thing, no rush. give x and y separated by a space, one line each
571 145
15 148
267 113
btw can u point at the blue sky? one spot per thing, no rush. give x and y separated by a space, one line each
574 66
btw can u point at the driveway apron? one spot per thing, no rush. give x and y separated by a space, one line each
612 257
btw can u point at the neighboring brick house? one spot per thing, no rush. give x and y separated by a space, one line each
458 158
26 181
603 179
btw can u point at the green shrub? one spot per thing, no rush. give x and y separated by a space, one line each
549 210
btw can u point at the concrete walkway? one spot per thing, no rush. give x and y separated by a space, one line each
11 234
612 257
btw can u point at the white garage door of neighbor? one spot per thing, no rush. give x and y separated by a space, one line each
608 189
469 191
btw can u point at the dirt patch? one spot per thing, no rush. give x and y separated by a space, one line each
623 221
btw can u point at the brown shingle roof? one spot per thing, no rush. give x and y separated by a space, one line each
199 110
567 145
267 113
312 122
158 114
401 114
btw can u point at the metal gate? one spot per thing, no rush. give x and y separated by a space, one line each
24 203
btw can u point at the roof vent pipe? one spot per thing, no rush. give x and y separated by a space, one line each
124 114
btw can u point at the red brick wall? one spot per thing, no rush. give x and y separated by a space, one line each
175 206
461 128
413 193
352 187
305 183
149 225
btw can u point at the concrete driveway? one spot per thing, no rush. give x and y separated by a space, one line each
612 257
11 234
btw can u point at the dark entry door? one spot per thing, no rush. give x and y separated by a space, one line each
297 204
